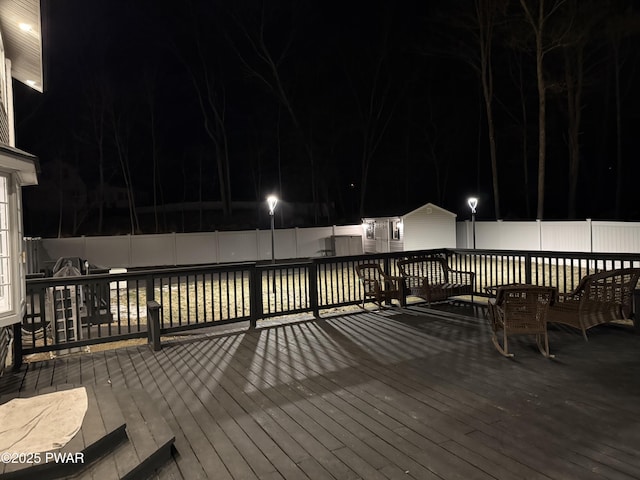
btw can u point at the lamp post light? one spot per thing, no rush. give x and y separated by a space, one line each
473 203
272 201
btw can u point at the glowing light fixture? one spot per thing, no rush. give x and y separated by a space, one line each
272 201
25 27
473 203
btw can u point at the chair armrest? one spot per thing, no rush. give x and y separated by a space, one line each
462 274
395 283
369 282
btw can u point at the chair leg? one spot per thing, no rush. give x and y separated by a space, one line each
503 350
544 349
584 334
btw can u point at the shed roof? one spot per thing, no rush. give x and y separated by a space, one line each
412 212
23 45
425 208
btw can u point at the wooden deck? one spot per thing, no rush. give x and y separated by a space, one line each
394 394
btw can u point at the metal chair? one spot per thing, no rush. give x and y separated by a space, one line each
521 310
379 286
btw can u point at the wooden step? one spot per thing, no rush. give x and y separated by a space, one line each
102 430
149 443
123 436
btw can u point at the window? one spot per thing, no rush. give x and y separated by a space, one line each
5 248
394 228
370 230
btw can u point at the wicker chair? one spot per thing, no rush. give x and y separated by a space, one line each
379 286
599 298
520 310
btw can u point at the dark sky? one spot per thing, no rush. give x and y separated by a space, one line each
298 93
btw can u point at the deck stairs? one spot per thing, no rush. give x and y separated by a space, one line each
123 436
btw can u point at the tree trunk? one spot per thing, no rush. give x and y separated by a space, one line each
616 70
573 76
485 23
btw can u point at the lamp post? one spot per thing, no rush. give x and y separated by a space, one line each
473 203
272 201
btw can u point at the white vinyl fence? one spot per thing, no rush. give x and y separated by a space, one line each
128 251
561 236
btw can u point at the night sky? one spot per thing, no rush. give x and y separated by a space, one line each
301 97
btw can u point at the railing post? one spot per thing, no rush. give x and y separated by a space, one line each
17 346
255 295
153 327
636 307
386 266
528 274
150 290
313 289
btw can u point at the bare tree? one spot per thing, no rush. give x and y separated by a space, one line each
149 85
264 63
538 21
622 23
481 24
121 125
375 111
95 92
211 95
486 14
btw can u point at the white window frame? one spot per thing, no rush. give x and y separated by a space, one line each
15 269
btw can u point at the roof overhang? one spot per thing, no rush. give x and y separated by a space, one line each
22 164
23 46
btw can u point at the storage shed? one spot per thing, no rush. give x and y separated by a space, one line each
426 227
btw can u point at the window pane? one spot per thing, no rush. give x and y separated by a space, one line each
5 270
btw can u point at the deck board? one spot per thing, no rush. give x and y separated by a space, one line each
394 394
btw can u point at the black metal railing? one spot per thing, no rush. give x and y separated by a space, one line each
72 312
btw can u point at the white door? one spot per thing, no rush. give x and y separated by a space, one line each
382 237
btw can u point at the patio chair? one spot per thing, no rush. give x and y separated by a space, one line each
379 286
599 298
520 310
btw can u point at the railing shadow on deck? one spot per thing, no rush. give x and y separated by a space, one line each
63 314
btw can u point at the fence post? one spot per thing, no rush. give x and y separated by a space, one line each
17 346
313 289
255 289
153 328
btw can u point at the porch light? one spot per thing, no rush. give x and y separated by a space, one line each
25 27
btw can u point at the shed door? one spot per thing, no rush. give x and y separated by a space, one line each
382 237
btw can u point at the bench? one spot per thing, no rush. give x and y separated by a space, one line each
432 279
599 298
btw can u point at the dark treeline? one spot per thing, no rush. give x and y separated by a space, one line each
164 116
